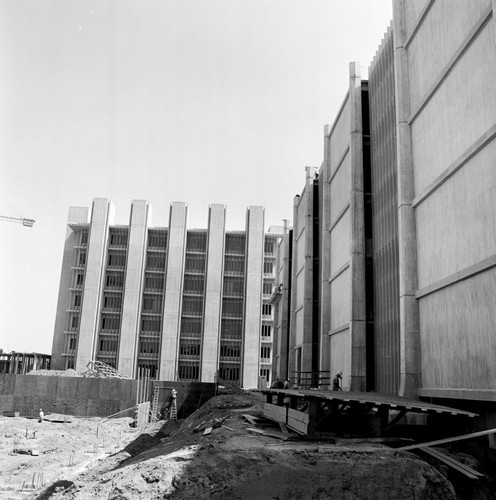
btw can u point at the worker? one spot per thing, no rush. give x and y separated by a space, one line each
336 385
286 384
41 416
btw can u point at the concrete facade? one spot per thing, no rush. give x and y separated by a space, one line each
174 303
407 214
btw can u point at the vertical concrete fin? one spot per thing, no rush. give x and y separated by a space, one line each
409 313
173 292
136 252
101 216
253 296
213 292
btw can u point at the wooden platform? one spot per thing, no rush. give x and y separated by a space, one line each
282 406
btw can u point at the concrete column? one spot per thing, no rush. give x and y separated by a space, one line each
307 351
76 215
284 371
253 296
131 305
213 293
176 251
410 376
357 235
293 299
325 258
101 217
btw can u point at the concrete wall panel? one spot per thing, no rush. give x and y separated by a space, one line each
340 137
299 327
459 113
340 300
455 223
443 30
340 243
458 343
414 9
340 189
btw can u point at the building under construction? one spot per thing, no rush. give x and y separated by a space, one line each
392 255
182 304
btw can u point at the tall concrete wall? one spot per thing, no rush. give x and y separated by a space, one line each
385 219
76 215
253 297
131 307
213 293
101 217
447 62
173 291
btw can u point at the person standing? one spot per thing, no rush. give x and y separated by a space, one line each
336 383
41 416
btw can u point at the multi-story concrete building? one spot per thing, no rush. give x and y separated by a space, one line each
184 304
406 216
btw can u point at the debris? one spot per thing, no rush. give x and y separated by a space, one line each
207 431
216 422
278 435
451 462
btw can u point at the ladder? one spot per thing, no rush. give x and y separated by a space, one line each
155 401
173 410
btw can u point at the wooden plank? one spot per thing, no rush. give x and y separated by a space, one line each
275 412
277 435
207 431
448 440
297 426
251 419
464 469
298 415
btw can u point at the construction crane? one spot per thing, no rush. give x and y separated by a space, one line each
18 220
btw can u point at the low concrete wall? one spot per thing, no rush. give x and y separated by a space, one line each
88 397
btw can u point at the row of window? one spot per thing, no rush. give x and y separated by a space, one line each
157 239
229 373
118 238
116 259
190 349
194 284
108 344
232 307
155 261
110 323
112 302
188 371
152 303
149 346
196 241
234 264
265 352
230 352
195 263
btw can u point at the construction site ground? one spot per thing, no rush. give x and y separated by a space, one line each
95 458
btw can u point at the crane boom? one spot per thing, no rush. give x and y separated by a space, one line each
18 220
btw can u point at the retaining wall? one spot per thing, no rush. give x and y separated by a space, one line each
88 397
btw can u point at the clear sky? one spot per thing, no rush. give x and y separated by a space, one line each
201 101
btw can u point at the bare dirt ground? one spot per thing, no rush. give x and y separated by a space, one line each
171 461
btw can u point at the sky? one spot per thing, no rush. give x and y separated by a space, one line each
200 101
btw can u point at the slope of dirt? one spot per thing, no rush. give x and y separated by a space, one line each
174 462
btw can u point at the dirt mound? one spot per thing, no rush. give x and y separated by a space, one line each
175 462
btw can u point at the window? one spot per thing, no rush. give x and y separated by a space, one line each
269 246
266 309
152 304
266 331
74 322
147 367
230 352
232 307
235 243
231 328
195 263
267 287
150 325
148 346
188 371
191 327
192 306
268 267
118 239
70 363
234 264
194 284
157 239
114 280
110 323
155 261
229 373
196 242
112 302
117 259
81 259
84 238
188 349
233 286
265 353
108 345
77 301
79 279
154 282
